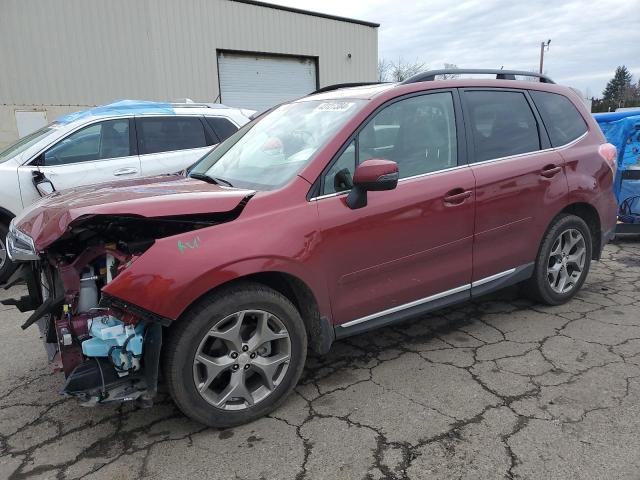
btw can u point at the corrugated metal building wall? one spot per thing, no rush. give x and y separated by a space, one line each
64 55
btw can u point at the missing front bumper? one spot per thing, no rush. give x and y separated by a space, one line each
96 381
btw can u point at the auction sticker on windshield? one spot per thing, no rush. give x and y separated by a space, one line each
334 106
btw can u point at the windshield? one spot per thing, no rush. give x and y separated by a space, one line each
26 142
268 153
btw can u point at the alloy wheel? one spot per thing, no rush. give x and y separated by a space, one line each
566 262
242 359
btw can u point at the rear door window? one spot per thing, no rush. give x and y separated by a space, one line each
501 124
561 118
222 127
167 134
103 140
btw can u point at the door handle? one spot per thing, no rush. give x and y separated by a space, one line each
125 171
456 196
550 170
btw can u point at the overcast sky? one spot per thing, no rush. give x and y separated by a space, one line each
589 39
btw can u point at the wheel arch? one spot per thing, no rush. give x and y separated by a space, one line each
6 216
320 332
589 214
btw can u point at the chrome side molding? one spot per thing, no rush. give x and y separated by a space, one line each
429 299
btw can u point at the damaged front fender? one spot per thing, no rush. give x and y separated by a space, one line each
81 240
161 198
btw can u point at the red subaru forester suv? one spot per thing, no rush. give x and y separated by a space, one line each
343 211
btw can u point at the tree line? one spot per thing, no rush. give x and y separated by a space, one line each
400 70
621 91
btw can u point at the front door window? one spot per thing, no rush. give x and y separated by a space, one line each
418 133
108 139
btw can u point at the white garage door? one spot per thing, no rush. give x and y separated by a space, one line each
261 81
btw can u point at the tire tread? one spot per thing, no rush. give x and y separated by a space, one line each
537 285
181 328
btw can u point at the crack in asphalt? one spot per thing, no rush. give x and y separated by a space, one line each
499 387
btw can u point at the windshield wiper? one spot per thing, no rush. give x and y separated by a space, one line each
222 180
208 179
203 177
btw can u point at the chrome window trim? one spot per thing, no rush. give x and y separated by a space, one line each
428 299
499 159
510 157
572 142
329 195
526 154
435 172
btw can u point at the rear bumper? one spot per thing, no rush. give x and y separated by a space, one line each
632 228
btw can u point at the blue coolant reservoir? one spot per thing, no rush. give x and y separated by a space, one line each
112 338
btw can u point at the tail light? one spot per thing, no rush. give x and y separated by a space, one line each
610 155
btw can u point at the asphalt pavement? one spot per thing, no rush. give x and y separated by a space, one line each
498 388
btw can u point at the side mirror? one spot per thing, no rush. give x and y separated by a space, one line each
372 175
42 184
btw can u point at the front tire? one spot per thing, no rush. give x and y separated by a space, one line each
563 261
235 356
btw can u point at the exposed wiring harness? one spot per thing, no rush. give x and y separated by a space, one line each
104 385
123 349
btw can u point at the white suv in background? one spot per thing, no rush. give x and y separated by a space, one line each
122 140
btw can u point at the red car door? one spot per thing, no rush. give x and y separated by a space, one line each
520 183
410 247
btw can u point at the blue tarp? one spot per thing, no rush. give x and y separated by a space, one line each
613 116
122 107
622 129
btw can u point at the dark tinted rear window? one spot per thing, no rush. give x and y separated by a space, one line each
223 127
561 118
165 134
502 124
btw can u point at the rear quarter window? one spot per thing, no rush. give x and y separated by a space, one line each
561 118
222 127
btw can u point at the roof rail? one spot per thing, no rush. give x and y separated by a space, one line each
500 74
197 105
329 88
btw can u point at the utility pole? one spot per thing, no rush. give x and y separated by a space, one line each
543 45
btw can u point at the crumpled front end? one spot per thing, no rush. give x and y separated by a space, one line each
106 353
108 349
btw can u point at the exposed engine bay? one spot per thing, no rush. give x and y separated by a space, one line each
108 351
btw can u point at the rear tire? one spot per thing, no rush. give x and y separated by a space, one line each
6 265
235 356
563 261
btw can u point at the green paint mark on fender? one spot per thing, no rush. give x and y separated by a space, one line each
182 246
